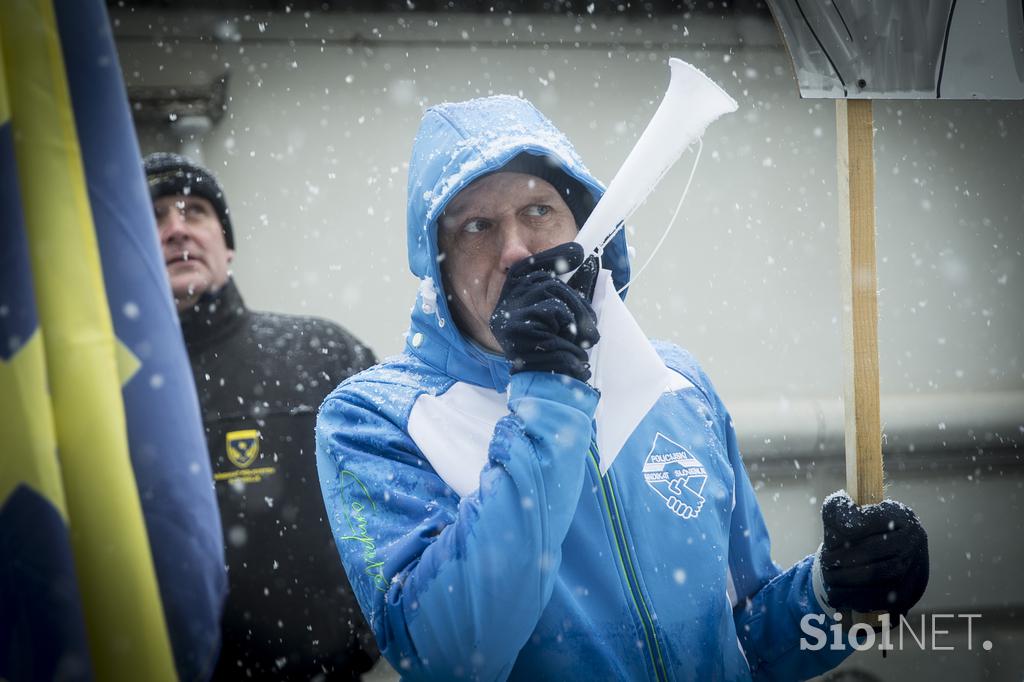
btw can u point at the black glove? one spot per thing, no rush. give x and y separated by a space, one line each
873 558
542 323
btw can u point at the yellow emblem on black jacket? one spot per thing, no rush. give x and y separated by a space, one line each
243 447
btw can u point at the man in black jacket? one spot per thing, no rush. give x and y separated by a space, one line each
290 613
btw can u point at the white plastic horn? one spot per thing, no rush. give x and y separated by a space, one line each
692 102
626 369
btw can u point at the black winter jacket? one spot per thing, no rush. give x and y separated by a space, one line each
290 613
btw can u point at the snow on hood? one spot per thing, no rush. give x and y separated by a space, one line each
456 144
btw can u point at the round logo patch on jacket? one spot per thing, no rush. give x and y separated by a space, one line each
676 475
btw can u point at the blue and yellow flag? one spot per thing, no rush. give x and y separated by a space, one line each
112 564
42 630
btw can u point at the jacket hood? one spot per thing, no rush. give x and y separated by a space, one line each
456 144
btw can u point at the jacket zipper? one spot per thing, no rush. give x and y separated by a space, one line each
611 508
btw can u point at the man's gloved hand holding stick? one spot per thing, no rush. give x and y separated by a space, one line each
874 557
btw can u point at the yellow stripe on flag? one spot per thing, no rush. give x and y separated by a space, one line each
5 105
124 616
27 430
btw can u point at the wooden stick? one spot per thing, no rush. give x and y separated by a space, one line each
856 164
854 132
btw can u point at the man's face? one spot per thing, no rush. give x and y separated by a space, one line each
196 255
495 222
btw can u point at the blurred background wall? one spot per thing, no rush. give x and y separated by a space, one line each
307 114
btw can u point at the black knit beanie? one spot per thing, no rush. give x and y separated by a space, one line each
577 198
169 174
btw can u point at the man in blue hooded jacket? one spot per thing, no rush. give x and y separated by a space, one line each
463 483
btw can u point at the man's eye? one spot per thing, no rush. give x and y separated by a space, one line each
538 210
475 225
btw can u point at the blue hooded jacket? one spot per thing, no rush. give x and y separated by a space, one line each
469 509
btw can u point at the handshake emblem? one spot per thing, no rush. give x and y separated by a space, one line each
677 476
